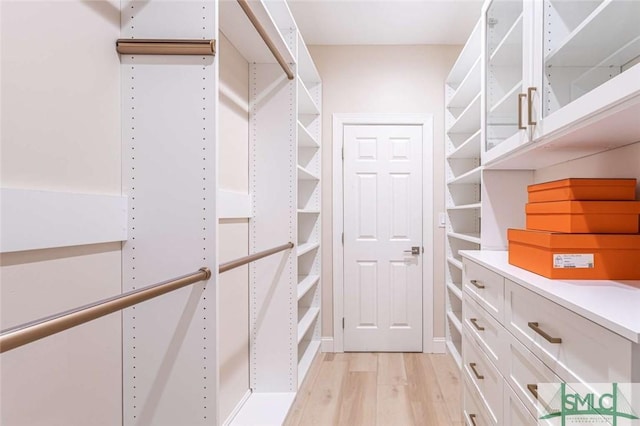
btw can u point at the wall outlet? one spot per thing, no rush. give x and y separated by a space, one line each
442 220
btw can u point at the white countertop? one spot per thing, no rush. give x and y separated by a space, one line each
614 305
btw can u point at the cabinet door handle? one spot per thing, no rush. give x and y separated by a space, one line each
473 368
474 321
535 327
530 91
520 96
477 283
534 390
472 419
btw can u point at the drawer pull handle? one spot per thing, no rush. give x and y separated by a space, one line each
534 390
472 419
473 368
535 327
477 284
474 321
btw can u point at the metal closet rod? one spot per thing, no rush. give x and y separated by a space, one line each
166 47
14 337
244 4
23 334
252 257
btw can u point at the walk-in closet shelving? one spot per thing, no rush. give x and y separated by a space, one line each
169 148
309 95
574 63
284 155
579 67
463 175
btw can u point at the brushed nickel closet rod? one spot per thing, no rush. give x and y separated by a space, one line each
244 4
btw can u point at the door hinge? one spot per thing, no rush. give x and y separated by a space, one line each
343 152
343 323
343 238
422 249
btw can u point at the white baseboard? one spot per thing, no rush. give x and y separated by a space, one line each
439 345
326 344
237 408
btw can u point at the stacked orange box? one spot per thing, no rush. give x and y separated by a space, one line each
580 229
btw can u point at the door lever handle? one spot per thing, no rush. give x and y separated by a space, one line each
414 250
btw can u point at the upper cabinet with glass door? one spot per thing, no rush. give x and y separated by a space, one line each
583 93
508 36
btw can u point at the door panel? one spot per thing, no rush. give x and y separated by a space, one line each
382 219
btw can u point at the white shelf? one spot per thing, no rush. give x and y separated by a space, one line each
306 283
264 408
307 359
453 319
611 24
473 206
472 238
623 55
306 322
455 290
471 177
507 106
304 174
455 353
306 248
455 262
306 139
510 47
468 89
306 105
467 57
469 119
470 148
307 70
308 211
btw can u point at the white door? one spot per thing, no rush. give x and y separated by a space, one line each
382 223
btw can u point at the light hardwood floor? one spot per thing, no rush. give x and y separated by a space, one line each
379 389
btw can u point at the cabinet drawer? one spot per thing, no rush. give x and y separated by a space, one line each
523 372
485 287
487 331
475 413
515 413
483 375
582 350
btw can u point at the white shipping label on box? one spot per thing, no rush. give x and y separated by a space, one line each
581 260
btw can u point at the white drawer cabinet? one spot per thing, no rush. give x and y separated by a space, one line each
515 337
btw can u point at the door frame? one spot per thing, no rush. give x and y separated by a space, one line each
429 345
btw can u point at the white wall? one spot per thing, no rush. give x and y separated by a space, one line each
382 79
233 163
618 163
60 130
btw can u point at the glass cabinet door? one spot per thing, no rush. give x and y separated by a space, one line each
504 73
585 44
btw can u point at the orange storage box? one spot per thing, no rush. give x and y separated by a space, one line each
595 217
583 190
576 256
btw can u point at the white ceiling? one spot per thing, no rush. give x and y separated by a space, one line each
385 21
